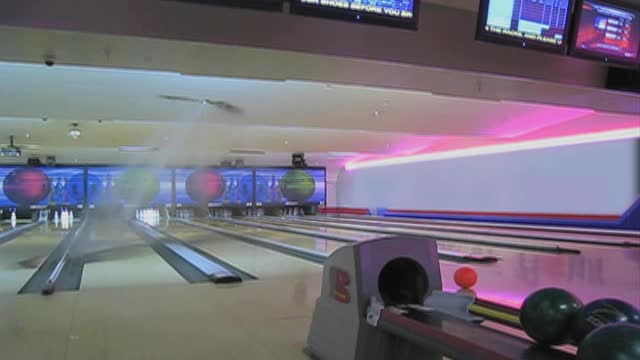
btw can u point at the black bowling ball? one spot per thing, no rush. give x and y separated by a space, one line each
602 312
619 341
548 315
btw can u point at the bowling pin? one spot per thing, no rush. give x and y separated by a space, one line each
71 217
13 218
56 218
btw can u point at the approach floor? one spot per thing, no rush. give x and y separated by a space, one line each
114 317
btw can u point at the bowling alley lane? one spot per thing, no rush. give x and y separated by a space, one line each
21 257
477 245
302 241
518 272
443 236
115 256
561 236
260 262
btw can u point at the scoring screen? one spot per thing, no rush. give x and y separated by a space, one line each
608 31
544 22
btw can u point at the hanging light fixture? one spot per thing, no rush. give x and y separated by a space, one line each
74 132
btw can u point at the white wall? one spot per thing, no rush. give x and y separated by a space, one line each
332 184
586 179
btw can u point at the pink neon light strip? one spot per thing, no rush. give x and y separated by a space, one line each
619 134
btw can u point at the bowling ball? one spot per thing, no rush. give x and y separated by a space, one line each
620 341
26 186
262 189
465 277
205 185
95 188
547 315
137 186
602 312
75 188
297 185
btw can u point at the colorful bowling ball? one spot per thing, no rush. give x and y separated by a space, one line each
619 341
205 185
137 186
297 185
26 186
547 315
602 312
465 277
75 188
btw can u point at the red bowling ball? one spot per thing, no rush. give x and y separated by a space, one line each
26 186
465 277
205 185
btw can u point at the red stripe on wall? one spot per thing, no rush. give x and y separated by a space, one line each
343 210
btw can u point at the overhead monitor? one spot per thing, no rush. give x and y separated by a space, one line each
24 186
214 186
533 24
397 13
129 186
607 31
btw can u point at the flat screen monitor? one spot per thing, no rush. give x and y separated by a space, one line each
397 13
535 24
36 187
214 186
129 186
267 5
606 31
290 186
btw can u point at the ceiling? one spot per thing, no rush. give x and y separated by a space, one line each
118 107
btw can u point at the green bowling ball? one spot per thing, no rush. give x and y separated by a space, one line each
618 341
137 186
602 312
297 185
548 315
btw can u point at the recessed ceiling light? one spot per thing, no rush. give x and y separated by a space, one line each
286 142
27 135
